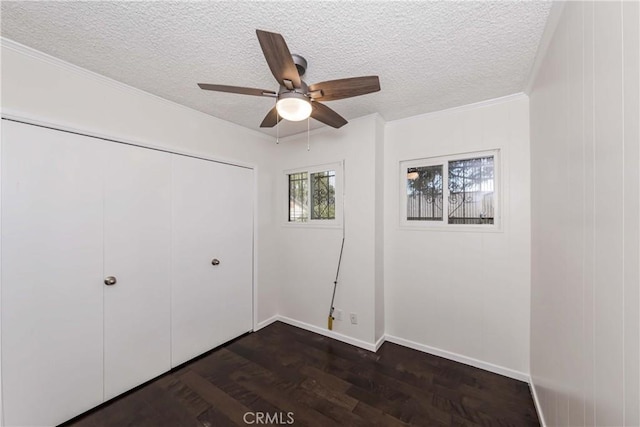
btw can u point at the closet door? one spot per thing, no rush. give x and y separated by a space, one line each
212 258
137 230
51 274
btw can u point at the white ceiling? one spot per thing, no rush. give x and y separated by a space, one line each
429 55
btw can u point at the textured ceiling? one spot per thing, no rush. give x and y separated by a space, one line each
429 55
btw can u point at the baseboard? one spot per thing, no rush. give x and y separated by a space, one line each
500 370
327 333
536 403
266 323
521 376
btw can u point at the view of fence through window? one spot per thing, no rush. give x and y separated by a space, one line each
471 192
424 190
471 195
298 197
323 195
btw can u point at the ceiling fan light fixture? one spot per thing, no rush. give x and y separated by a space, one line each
293 106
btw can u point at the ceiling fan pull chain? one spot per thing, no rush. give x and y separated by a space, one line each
277 127
308 145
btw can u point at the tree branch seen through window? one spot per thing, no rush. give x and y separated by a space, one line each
451 189
312 195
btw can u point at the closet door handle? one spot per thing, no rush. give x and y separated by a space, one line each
110 281
215 261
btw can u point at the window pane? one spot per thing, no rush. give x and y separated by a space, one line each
298 194
471 192
323 195
424 193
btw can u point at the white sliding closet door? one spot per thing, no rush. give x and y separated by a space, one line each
212 219
137 252
51 282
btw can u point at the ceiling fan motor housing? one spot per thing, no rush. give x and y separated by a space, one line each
302 90
301 63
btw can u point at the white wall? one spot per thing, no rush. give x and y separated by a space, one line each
308 256
379 226
48 89
585 211
461 292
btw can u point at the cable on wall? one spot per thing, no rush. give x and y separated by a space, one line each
335 282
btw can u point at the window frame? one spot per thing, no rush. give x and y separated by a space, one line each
338 167
443 225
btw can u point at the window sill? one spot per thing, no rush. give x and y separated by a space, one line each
471 228
333 225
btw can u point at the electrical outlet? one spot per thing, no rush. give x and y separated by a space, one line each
354 318
338 314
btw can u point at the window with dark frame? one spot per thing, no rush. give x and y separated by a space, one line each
312 195
323 195
298 197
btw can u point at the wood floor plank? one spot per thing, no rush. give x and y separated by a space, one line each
324 379
330 407
247 397
285 401
338 414
213 418
217 398
334 396
282 369
167 409
260 357
377 416
189 399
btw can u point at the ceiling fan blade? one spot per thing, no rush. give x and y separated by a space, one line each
279 58
271 119
237 89
327 116
344 88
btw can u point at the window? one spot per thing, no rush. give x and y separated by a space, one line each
424 193
323 195
451 190
298 195
471 195
312 195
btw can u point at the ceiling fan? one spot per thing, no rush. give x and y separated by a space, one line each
295 99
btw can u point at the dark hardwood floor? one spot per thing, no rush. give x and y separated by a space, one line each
285 375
